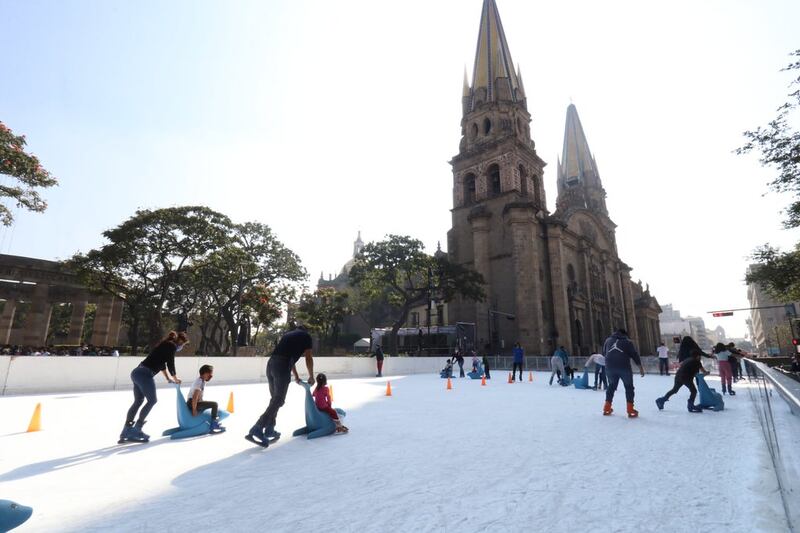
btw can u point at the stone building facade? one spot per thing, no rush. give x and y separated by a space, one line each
558 273
40 285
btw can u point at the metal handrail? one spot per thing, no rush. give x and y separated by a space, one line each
785 393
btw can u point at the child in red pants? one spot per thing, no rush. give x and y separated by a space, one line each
322 399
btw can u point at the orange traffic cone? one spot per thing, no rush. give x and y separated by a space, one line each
36 419
388 388
509 378
330 392
530 377
483 381
449 385
230 403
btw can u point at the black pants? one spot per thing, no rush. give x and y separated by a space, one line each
735 370
202 406
600 375
616 374
461 368
279 376
663 366
514 370
486 372
680 383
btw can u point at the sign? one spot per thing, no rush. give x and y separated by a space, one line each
724 313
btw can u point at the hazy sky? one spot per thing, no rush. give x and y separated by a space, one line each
323 118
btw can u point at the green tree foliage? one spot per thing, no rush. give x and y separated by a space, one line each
398 269
322 312
146 256
249 279
26 170
777 272
779 145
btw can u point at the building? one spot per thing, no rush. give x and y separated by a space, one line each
773 323
559 274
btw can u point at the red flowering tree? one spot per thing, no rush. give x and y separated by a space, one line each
27 173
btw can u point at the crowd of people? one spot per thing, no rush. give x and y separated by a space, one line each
86 349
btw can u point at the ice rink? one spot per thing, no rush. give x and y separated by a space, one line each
521 457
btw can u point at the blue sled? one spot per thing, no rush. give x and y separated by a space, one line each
191 426
446 373
13 514
318 424
476 374
709 398
583 381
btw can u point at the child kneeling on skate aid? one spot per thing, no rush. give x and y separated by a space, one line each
322 399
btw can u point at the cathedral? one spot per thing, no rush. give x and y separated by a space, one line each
551 278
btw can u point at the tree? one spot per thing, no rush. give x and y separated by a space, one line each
146 256
398 268
779 145
26 169
322 312
247 280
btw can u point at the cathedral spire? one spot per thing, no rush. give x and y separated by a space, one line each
577 169
493 77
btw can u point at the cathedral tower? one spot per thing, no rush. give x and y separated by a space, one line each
498 195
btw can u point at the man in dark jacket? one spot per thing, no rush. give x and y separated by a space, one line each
685 377
619 351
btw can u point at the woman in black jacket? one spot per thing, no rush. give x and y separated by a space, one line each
160 359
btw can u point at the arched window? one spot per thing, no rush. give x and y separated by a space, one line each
523 181
473 132
494 180
469 189
487 126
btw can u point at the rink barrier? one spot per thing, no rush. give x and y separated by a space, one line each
45 375
776 399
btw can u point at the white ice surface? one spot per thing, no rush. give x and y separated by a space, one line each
521 457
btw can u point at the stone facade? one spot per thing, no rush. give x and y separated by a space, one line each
42 284
558 273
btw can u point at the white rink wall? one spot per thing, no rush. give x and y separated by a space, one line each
43 375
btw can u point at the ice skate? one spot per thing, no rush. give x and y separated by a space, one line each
256 436
693 408
126 433
607 410
216 428
632 413
660 403
135 434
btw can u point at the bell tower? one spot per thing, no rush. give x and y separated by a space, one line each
498 195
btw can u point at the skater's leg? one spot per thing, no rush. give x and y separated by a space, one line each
613 381
148 386
202 406
331 412
279 376
604 377
596 375
138 399
675 388
380 368
627 381
692 391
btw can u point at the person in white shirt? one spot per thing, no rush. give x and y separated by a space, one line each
599 363
663 360
195 398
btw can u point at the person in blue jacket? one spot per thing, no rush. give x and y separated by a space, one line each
519 357
619 351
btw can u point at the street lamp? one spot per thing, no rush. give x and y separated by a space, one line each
508 316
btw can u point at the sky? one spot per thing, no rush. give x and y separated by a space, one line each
322 119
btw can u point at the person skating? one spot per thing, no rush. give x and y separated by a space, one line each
195 398
685 377
663 360
378 355
725 375
599 369
619 351
282 364
160 359
519 358
687 348
486 361
557 364
322 399
458 358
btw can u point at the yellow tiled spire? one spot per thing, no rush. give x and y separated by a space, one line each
493 64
